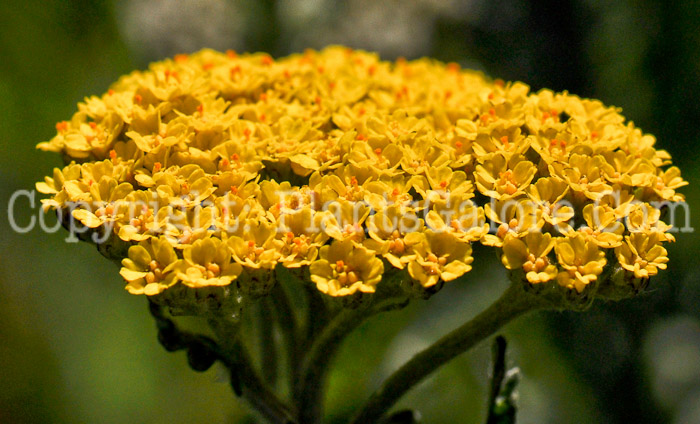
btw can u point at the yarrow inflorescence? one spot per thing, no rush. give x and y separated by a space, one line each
213 168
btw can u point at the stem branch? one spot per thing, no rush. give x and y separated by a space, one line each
512 303
289 327
315 366
266 335
244 379
255 391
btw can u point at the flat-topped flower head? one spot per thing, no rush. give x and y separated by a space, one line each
341 166
226 184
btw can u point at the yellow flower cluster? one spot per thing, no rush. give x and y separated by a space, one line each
219 166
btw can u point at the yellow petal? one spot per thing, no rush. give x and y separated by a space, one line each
514 253
131 275
454 270
87 218
140 256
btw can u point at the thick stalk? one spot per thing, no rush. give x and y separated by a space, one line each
268 347
256 393
244 378
289 327
309 393
310 385
317 315
513 303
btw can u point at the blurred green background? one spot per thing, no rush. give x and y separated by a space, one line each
75 347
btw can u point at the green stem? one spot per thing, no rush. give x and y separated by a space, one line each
256 393
243 375
497 375
308 390
263 38
501 404
289 327
317 313
309 393
512 303
267 342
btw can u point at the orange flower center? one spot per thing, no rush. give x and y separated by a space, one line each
535 264
434 264
506 182
346 275
254 251
155 273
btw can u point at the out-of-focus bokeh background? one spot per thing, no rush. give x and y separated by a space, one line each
75 347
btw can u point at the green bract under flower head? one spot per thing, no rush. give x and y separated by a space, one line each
217 168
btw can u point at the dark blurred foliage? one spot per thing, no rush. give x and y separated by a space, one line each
74 347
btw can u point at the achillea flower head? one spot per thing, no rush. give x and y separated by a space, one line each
219 168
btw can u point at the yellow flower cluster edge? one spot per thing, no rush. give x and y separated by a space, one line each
213 166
